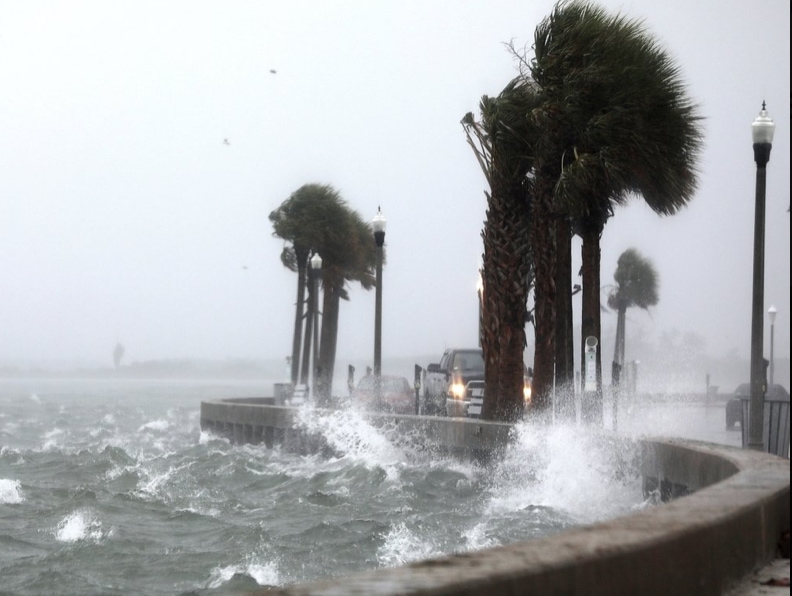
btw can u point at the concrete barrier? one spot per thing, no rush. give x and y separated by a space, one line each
734 507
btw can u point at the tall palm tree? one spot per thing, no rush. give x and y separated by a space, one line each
353 259
618 123
636 285
315 219
501 142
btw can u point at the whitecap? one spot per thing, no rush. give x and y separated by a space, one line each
51 440
355 438
10 492
264 574
477 539
35 398
403 546
78 526
160 425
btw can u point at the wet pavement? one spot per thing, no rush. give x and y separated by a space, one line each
771 580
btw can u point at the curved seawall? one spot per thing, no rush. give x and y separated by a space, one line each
724 512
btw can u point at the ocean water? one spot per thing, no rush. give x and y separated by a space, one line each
111 487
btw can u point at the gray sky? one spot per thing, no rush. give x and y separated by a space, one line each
125 216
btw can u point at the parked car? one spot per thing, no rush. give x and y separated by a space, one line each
734 413
396 394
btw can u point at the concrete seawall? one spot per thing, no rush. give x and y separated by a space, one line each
724 512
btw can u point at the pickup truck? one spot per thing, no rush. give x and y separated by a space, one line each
447 386
455 385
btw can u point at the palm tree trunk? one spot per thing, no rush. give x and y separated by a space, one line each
543 244
506 254
298 315
591 405
564 338
328 341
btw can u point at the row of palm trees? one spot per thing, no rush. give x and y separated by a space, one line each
598 115
316 220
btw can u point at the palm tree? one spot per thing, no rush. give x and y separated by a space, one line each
636 285
501 142
351 256
315 219
618 123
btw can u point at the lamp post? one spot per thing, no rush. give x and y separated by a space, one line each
378 223
762 132
316 269
772 312
480 292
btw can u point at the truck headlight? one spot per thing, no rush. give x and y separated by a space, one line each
457 390
527 393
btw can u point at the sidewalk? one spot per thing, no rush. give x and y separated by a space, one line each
756 584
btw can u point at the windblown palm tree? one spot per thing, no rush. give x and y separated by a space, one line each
315 219
501 142
351 257
617 122
636 285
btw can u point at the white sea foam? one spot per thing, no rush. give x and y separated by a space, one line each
51 440
158 425
78 526
566 469
10 492
403 546
264 573
477 538
351 435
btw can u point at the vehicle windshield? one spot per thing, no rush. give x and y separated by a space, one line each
472 360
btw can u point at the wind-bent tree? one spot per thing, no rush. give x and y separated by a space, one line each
617 122
351 257
315 219
501 141
636 285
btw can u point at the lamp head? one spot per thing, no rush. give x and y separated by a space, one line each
772 312
763 127
378 223
316 262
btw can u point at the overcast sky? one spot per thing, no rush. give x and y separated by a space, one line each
126 217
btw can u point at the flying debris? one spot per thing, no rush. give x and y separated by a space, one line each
273 71
225 142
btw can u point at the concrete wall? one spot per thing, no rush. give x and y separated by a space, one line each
734 508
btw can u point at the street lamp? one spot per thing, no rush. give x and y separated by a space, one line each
316 268
480 292
772 312
378 223
762 132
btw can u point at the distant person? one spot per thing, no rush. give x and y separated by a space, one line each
118 355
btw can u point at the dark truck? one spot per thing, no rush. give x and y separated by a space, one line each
447 389
455 385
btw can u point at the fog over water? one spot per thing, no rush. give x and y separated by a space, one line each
144 145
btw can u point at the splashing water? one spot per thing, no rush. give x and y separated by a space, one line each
79 525
10 492
114 477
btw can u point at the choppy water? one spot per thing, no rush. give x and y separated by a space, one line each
110 487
